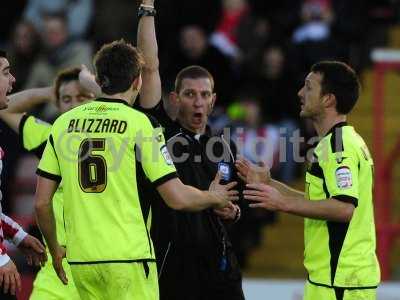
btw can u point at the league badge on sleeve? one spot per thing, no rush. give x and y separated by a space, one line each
225 170
344 178
165 153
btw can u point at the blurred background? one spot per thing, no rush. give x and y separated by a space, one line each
259 53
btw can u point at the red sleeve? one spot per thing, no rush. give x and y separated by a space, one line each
11 230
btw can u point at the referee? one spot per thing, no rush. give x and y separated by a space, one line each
195 257
339 229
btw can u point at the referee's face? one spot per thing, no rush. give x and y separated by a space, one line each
310 95
196 100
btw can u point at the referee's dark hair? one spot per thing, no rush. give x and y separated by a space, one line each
340 80
192 72
3 53
117 65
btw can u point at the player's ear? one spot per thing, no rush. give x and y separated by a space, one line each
213 99
329 100
173 98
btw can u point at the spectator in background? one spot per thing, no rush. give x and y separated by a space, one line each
78 14
271 76
225 36
313 39
317 15
60 51
252 34
23 49
194 49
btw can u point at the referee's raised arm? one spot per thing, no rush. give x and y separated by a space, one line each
150 93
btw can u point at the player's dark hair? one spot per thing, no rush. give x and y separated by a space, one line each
340 80
192 72
117 65
64 76
3 54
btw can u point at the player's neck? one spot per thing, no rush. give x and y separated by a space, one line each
128 96
323 124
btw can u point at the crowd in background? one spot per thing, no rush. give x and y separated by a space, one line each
258 52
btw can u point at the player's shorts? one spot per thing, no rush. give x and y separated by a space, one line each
47 285
122 281
315 292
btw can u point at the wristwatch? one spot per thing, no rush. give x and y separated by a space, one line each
145 11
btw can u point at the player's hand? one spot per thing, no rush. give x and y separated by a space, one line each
265 196
58 256
33 250
223 193
88 81
228 212
10 280
251 173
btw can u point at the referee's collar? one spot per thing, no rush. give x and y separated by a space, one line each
337 125
112 100
207 133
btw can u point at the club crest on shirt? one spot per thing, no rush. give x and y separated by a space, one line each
225 171
343 178
166 155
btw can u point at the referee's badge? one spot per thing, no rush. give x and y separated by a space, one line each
344 178
225 171
166 155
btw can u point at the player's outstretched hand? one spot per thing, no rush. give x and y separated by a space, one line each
223 193
33 250
58 257
265 196
10 280
251 173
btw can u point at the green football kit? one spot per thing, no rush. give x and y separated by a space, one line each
97 149
340 257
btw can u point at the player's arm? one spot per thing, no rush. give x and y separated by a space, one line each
45 189
251 173
268 197
184 197
49 177
24 101
150 93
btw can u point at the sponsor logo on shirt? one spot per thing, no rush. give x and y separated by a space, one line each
344 178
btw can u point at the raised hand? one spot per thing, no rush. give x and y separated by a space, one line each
223 193
251 173
88 81
33 250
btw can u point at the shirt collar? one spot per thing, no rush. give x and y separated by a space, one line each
337 125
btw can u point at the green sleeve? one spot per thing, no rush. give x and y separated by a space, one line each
49 165
33 134
154 156
341 176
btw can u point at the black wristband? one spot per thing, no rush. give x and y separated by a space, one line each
146 12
